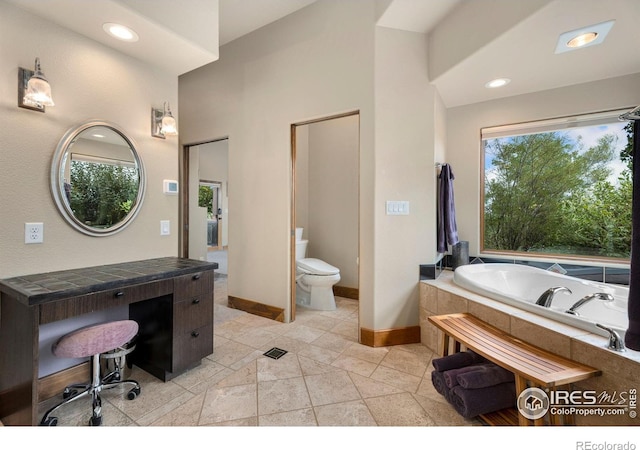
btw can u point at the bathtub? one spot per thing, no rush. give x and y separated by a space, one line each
520 286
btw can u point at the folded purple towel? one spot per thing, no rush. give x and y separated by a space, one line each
485 375
437 378
473 402
456 360
451 375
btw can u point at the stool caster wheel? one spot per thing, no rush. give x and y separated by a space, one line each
50 422
95 421
68 393
133 393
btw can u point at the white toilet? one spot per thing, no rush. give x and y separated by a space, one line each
314 279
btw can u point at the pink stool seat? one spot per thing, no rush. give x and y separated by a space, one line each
92 341
95 339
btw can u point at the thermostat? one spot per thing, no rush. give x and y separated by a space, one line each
170 187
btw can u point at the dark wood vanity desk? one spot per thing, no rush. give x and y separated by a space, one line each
170 298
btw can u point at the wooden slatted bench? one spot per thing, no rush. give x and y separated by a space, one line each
531 365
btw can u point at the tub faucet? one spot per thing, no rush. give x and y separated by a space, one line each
547 296
615 341
598 295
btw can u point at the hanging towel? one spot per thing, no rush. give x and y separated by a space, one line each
632 336
447 228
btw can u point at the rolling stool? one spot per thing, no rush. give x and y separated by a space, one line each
92 341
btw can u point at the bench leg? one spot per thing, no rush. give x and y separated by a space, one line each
521 385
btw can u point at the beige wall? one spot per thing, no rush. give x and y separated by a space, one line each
332 194
314 63
465 123
89 81
326 59
408 135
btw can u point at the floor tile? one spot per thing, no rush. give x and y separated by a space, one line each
326 378
282 395
300 418
398 410
331 387
225 403
346 414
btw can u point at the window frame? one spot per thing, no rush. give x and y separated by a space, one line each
532 127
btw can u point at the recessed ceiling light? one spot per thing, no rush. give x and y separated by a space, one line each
498 82
583 37
98 135
120 32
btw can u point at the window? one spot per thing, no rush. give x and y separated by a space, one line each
558 187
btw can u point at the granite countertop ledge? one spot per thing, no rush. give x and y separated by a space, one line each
43 287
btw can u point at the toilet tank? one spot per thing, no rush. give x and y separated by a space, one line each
301 249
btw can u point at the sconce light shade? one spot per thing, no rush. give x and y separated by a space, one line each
169 123
163 123
34 91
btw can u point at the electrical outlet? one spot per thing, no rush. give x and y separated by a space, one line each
33 233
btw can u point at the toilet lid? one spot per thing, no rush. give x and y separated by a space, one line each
315 266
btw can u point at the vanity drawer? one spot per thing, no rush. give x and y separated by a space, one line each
193 313
82 304
191 347
192 285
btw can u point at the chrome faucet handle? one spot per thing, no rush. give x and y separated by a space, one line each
546 297
615 341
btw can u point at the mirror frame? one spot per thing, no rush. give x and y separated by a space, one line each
57 188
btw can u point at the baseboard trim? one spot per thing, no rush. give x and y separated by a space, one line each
258 309
54 384
346 292
394 336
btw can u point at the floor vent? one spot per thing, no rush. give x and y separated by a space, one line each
275 353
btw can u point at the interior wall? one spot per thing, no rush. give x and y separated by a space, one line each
409 127
89 81
332 227
465 122
313 63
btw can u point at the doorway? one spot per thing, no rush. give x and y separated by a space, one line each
325 197
204 202
210 197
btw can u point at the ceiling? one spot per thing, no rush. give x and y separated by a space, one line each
470 41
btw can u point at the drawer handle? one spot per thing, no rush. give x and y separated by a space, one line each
195 301
195 334
196 276
119 294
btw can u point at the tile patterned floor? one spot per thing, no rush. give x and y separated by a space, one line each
326 379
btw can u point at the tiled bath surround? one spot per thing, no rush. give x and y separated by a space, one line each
602 274
619 370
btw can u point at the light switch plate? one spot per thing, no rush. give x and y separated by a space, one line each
397 208
165 227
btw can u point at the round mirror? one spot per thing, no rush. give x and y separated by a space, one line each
97 178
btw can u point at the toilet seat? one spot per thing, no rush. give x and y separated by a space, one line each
314 266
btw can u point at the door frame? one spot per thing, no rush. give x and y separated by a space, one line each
292 215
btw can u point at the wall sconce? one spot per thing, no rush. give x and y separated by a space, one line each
162 122
34 91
